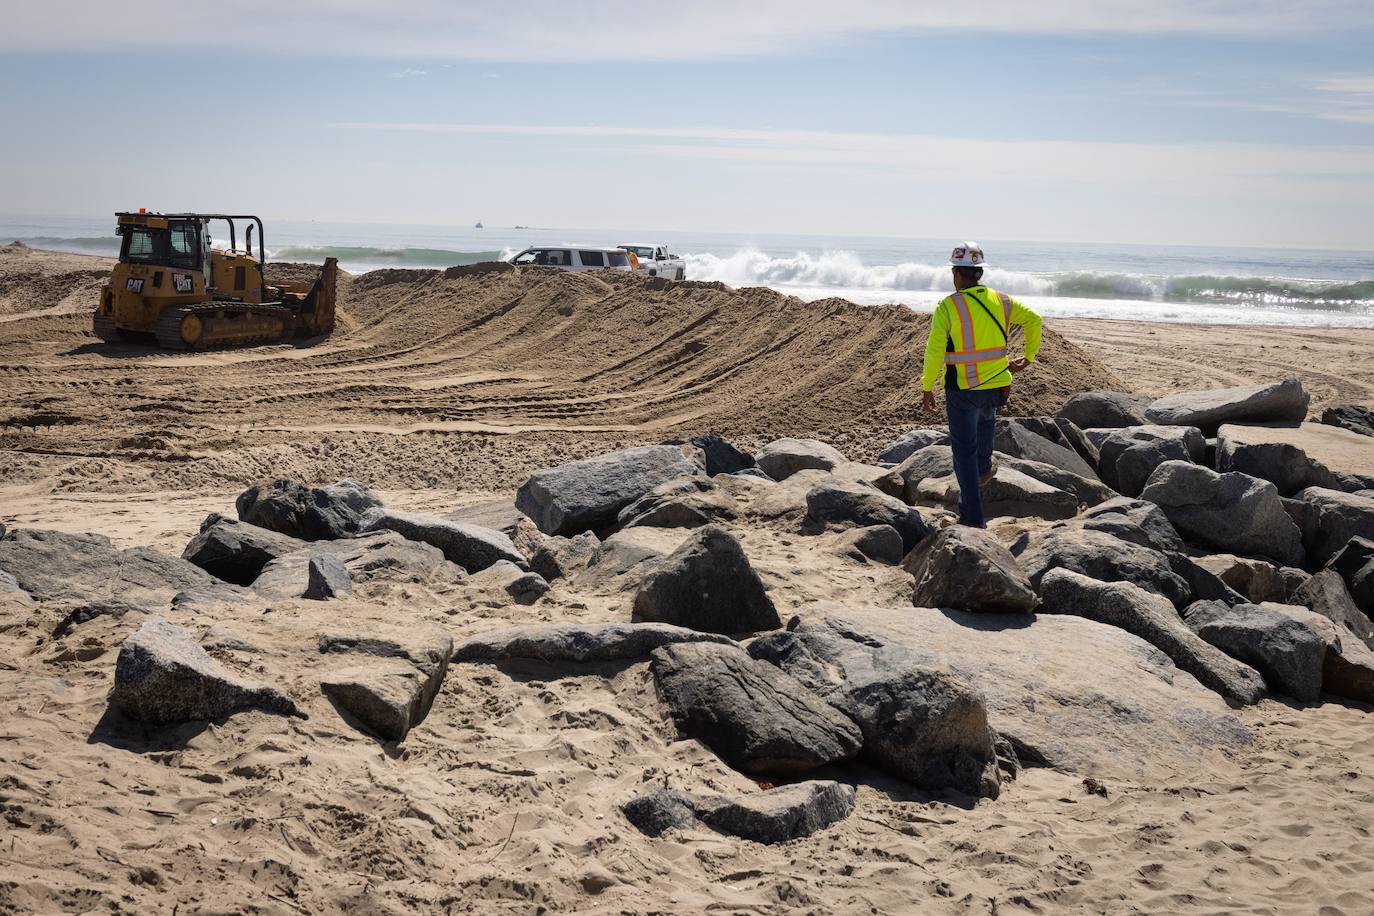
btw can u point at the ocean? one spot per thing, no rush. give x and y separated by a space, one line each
1315 288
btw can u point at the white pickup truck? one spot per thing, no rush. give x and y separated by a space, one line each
655 261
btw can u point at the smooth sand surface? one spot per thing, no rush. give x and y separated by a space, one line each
507 798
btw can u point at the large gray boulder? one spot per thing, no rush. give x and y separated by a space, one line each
557 557
1277 455
1337 517
861 506
706 584
385 557
470 546
164 677
722 456
50 565
581 643
1348 665
1015 438
1289 654
928 462
920 721
1127 457
687 502
1088 491
588 494
390 683
1355 564
968 569
1069 693
327 577
661 810
308 513
1009 493
879 543
1105 409
1153 619
780 814
236 551
1257 580
1231 512
1158 531
1353 417
907 444
782 458
1326 594
1278 402
1101 556
757 718
503 580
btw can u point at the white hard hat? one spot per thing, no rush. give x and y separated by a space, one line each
967 254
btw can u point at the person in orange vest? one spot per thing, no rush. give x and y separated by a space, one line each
968 337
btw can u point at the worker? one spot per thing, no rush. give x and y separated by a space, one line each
968 336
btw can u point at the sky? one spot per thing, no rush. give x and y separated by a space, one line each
1210 122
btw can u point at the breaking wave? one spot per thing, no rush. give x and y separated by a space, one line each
843 270
389 257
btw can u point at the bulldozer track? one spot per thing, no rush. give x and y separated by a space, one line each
168 327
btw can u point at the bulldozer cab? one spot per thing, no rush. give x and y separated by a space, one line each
183 242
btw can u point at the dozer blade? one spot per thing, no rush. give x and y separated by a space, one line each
316 316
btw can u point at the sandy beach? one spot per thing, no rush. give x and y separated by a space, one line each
446 389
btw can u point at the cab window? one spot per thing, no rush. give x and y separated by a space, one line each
140 245
644 254
185 246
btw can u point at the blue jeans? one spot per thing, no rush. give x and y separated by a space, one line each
972 423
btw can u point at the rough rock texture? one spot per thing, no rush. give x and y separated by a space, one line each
623 558
706 584
661 810
383 557
498 514
687 502
164 677
1257 580
308 513
782 458
393 690
722 456
327 578
523 586
1354 417
920 721
1070 693
1100 556
472 547
757 718
1089 491
1348 665
236 551
1105 409
559 557
1293 579
856 505
54 564
968 569
931 461
1146 516
781 814
879 543
1326 594
1009 494
1231 512
1274 455
1015 438
1205 584
1337 517
1355 564
571 642
588 494
906 445
1153 619
1207 410
1289 654
1127 457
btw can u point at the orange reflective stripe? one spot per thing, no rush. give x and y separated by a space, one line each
970 340
1006 312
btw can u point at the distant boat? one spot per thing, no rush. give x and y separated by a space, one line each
479 225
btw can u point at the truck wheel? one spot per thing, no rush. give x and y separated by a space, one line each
681 275
653 273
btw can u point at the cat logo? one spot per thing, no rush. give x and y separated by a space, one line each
134 284
184 283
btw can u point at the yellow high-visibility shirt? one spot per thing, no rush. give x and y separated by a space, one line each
968 333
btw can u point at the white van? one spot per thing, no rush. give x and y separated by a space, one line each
577 258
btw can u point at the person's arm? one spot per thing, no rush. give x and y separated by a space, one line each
1031 322
935 348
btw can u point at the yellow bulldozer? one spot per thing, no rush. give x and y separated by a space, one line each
170 282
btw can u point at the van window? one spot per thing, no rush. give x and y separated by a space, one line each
592 258
618 259
554 257
526 257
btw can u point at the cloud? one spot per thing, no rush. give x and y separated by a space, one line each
408 73
555 30
1352 99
